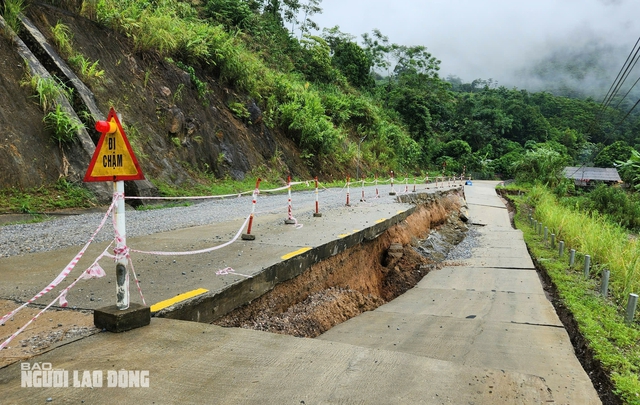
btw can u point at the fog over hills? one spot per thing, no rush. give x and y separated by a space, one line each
574 47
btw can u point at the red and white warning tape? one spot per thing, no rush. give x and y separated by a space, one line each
194 252
65 272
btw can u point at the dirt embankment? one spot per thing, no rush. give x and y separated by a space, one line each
358 280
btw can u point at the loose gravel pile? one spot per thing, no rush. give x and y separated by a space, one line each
463 250
75 230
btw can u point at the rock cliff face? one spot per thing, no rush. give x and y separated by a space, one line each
174 131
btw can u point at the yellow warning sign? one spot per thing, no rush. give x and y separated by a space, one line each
113 159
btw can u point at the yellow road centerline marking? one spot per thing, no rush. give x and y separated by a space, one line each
343 235
296 253
180 297
381 220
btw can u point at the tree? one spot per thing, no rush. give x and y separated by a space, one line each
617 151
315 61
354 64
457 148
377 48
349 58
310 8
542 164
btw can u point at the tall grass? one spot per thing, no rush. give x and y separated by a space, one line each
11 14
608 244
47 90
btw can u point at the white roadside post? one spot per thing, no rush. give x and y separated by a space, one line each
122 275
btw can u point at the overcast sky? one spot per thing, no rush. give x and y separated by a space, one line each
490 38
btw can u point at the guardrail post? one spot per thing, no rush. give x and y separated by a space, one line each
560 248
604 288
587 265
546 233
572 257
632 304
553 241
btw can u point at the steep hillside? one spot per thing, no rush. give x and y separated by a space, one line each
175 132
28 157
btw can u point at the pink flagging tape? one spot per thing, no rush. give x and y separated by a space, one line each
93 271
229 270
72 264
195 252
121 251
135 277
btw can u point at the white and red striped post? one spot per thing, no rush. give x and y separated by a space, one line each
414 184
317 214
393 191
248 235
362 198
348 204
290 220
464 170
444 167
377 192
426 181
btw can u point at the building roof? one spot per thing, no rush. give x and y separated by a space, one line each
609 174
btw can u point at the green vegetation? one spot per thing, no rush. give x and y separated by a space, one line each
88 70
615 343
62 126
11 14
328 91
62 194
47 90
201 87
63 38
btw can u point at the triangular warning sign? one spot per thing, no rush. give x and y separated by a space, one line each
113 159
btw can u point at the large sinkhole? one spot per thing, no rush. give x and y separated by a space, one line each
359 279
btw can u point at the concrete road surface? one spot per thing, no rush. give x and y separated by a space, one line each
477 333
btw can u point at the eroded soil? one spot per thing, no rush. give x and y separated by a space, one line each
358 280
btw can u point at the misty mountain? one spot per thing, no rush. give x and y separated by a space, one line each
586 71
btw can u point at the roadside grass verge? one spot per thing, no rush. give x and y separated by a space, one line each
615 344
60 195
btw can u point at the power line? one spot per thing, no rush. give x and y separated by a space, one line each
628 112
624 72
625 96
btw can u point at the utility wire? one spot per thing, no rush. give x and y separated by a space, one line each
625 96
624 77
625 117
607 96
